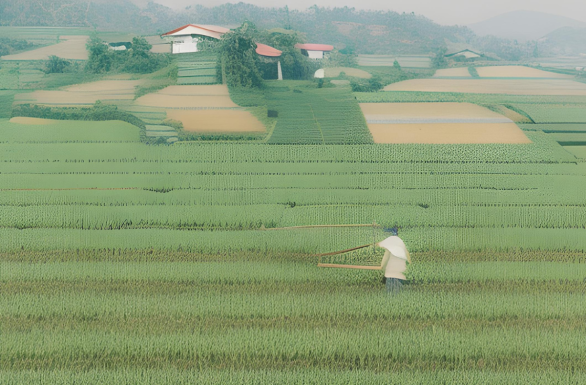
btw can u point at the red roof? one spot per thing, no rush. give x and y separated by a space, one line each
212 28
315 47
265 50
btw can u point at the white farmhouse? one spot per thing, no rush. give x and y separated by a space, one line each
185 39
314 51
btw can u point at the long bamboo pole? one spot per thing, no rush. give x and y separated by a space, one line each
349 266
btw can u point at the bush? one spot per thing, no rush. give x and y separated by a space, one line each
137 59
56 65
98 112
371 85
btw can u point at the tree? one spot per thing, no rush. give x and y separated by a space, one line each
439 60
99 58
140 47
239 58
396 65
56 65
294 64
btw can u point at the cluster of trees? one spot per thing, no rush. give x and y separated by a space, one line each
9 46
98 112
243 67
365 32
137 59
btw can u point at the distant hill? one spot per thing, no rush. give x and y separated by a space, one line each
564 41
367 32
358 31
523 25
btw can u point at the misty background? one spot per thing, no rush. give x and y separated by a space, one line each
451 12
509 30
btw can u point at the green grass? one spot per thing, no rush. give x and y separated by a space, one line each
554 113
6 100
69 132
277 318
417 97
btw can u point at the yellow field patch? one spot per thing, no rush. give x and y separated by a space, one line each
106 86
216 121
517 72
72 47
32 121
426 111
448 133
493 86
211 90
334 72
188 97
82 94
461 72
439 123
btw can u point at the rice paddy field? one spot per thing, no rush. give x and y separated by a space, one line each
553 87
408 61
439 123
195 262
68 47
82 94
334 72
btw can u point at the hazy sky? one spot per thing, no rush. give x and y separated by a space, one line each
460 12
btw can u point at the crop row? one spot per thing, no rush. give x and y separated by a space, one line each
326 182
274 216
542 150
278 272
297 240
290 168
141 376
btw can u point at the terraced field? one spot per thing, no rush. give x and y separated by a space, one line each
122 262
197 69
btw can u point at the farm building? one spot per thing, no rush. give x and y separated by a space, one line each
466 53
314 51
119 46
270 55
184 39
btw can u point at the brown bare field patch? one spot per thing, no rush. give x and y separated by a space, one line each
32 121
461 72
355 72
213 90
82 94
517 72
215 96
448 133
426 111
216 121
72 47
87 93
490 86
176 101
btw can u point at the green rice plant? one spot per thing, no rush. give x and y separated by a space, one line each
555 113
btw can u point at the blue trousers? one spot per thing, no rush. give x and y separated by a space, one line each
393 284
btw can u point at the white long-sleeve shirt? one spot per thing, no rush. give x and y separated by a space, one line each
393 266
394 262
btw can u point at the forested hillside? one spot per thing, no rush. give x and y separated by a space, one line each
362 31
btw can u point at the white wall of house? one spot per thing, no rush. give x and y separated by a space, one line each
184 44
315 54
468 54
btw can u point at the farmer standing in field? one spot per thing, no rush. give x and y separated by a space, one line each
395 260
